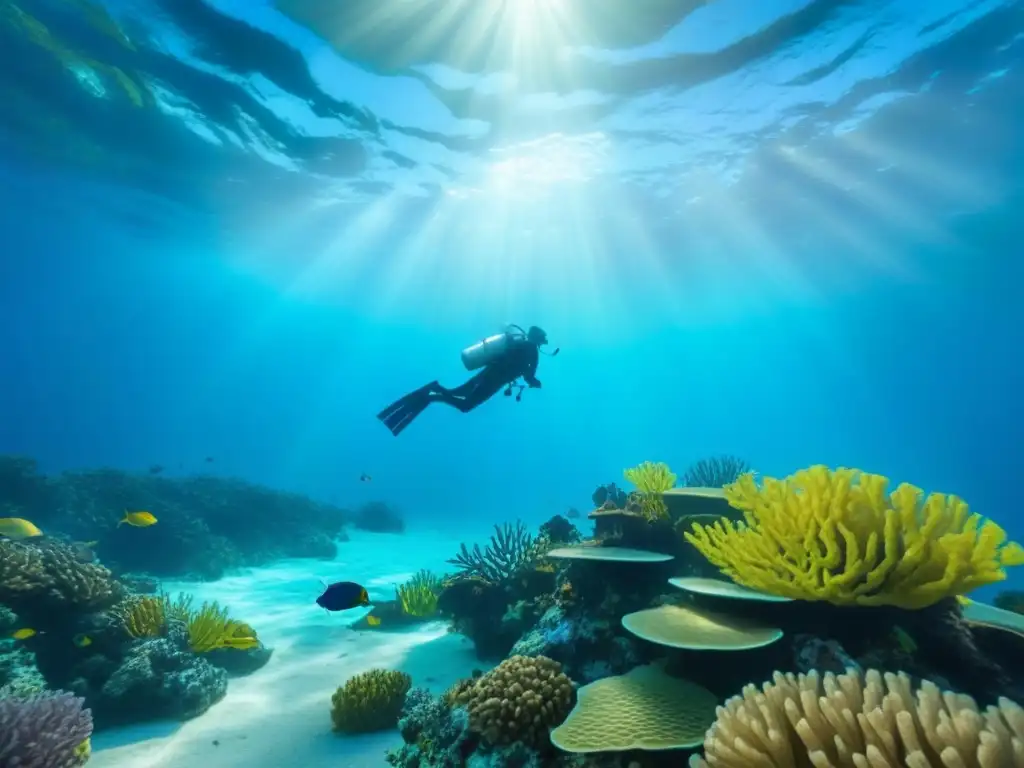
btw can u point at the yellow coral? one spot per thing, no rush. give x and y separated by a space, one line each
418 596
210 628
144 617
836 536
651 480
371 701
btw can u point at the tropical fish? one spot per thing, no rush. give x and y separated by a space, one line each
82 641
342 595
139 519
904 640
82 551
23 634
373 621
241 643
365 478
16 528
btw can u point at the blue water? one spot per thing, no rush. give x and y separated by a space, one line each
784 230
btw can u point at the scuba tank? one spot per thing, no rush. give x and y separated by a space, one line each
486 351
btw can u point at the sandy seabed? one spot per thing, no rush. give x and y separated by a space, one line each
279 716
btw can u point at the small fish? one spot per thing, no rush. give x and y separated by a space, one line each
209 459
904 640
16 528
573 513
342 595
373 621
82 641
241 643
23 634
83 551
139 519
365 478
156 469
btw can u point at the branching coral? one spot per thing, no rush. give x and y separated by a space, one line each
45 574
715 472
651 480
836 536
510 549
847 721
418 596
371 701
520 700
50 730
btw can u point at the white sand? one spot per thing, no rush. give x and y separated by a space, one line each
279 716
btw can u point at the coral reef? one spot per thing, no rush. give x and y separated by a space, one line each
509 550
378 517
520 700
371 701
49 730
158 677
854 719
836 536
715 472
206 524
433 733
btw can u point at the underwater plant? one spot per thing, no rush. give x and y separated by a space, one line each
371 701
418 596
715 472
509 550
651 480
835 536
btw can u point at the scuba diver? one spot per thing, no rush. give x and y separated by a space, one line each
504 357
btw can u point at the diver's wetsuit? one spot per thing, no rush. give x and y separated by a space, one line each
520 359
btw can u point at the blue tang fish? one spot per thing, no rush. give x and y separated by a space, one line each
342 595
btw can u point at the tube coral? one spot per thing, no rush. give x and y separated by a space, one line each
837 537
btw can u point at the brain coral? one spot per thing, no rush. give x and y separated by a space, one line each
519 700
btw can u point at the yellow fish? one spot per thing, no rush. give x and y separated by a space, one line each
137 519
373 621
241 643
23 634
15 528
82 641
